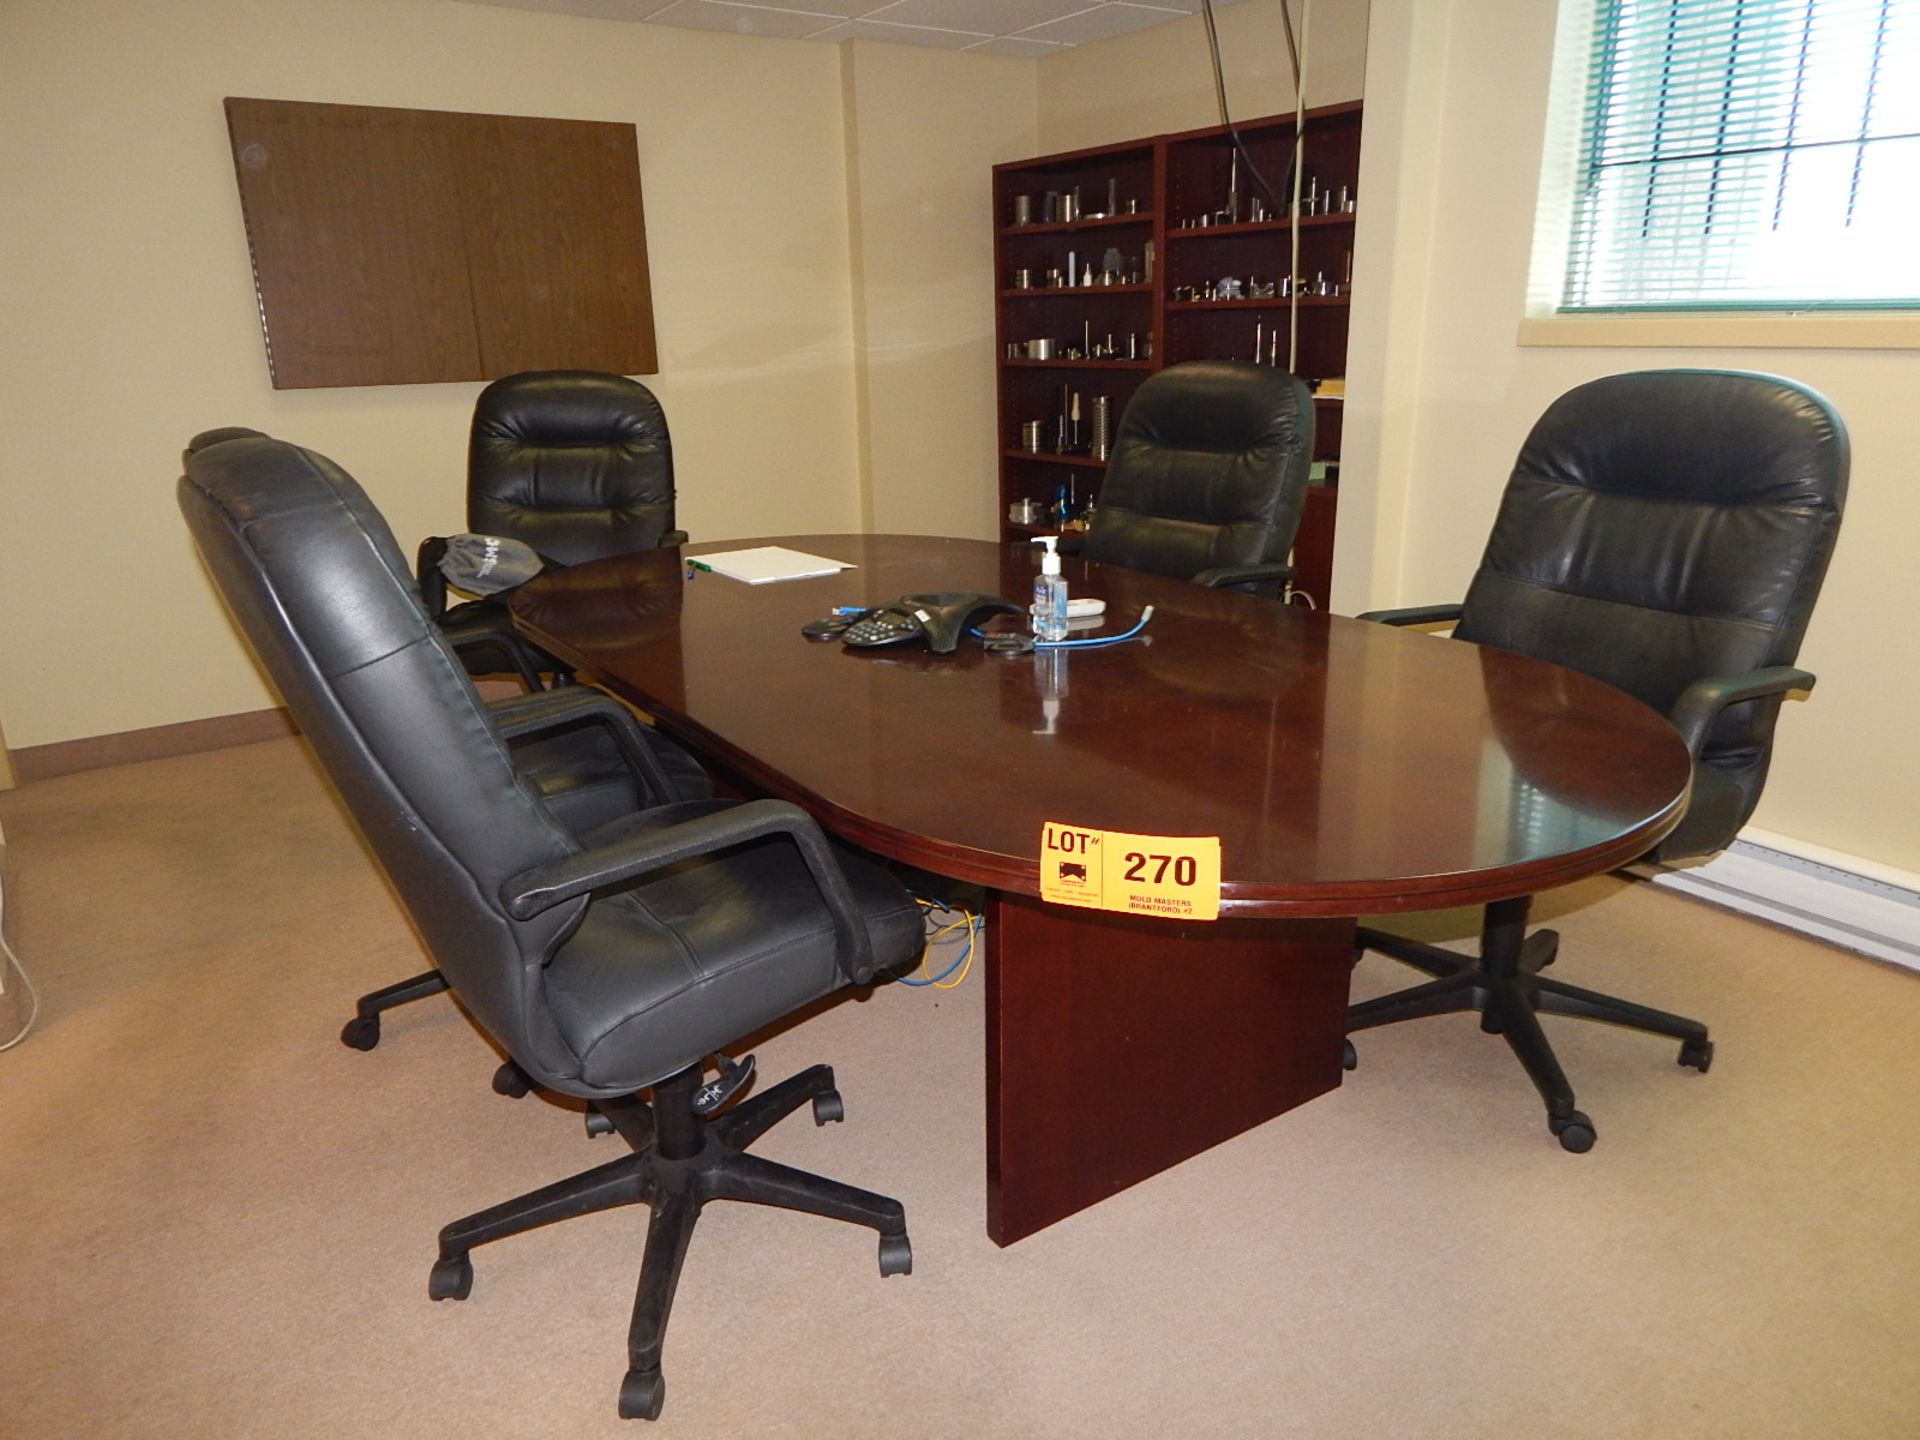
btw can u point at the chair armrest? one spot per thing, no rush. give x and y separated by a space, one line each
672 538
519 716
520 658
532 891
1703 700
1414 615
1234 577
426 571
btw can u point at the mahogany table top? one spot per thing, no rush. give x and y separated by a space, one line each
1347 767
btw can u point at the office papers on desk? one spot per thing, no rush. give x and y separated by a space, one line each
764 564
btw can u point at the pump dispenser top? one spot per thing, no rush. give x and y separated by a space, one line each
1049 593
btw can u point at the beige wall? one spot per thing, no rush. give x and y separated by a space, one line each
130 322
1160 79
924 128
812 276
1456 122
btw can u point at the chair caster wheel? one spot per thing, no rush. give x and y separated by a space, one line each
511 1081
896 1256
597 1124
642 1395
1349 1057
361 1033
1698 1054
452 1278
827 1108
1576 1133
1490 1023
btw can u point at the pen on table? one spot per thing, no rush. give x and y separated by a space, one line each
693 565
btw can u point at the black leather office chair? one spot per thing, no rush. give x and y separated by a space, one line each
576 464
1666 532
604 964
586 755
1207 476
592 762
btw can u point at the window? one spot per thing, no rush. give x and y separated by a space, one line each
1756 154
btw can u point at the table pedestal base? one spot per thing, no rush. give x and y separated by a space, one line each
1118 1047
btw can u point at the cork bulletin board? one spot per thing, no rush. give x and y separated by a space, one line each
397 247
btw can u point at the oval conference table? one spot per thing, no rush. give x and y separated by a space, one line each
1348 769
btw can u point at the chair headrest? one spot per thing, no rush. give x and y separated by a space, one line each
565 409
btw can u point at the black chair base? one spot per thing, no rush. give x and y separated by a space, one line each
680 1162
363 1031
1504 985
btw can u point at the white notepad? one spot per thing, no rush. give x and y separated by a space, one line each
764 564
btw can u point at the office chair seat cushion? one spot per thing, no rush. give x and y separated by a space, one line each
695 956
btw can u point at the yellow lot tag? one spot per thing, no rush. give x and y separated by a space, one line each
1172 875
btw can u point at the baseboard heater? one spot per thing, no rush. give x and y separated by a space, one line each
1868 908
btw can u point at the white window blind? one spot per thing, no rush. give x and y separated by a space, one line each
1749 153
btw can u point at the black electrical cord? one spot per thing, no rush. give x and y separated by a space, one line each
1281 206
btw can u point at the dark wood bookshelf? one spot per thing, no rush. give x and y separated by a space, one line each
1255 227
1305 302
1174 179
1091 222
1082 364
1018 292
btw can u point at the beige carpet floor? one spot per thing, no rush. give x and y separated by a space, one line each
217 1221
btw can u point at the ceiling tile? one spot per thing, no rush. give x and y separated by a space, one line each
1102 22
903 34
1029 28
981 17
1017 46
839 9
1189 7
592 9
743 19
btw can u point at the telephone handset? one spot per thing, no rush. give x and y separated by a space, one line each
940 619
883 625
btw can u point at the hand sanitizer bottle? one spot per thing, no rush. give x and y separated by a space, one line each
1049 594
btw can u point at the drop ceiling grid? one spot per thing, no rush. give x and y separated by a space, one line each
1006 27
